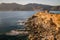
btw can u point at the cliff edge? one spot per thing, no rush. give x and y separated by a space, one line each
44 26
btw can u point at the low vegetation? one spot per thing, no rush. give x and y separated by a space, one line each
44 26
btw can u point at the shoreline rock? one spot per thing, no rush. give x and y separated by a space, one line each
44 26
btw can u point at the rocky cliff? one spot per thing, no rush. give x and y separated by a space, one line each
44 26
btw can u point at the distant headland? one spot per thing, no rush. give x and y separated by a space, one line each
27 7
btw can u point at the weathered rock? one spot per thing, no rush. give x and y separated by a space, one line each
44 26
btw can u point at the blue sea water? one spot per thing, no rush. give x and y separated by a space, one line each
58 12
8 18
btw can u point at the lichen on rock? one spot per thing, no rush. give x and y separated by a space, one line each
44 26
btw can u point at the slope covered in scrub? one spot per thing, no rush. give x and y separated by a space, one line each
44 26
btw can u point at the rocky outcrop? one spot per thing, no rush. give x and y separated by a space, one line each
44 26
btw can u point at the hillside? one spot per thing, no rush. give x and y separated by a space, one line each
27 7
44 26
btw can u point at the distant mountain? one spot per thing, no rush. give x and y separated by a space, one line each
27 7
9 6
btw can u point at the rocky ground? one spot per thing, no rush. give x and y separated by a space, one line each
44 26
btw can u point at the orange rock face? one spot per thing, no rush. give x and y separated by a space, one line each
49 16
44 26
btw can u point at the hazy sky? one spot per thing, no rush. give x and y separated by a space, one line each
48 2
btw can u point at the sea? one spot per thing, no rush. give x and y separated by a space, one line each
8 20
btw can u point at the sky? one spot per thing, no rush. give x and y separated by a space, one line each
47 2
